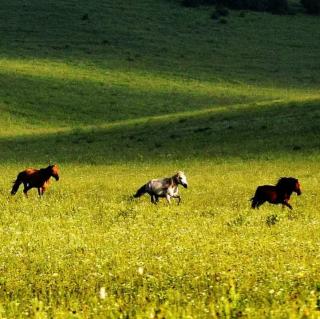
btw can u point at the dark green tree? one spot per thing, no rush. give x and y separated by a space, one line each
311 6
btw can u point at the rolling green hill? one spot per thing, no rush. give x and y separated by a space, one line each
118 93
127 64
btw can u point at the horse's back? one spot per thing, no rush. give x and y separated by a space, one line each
33 177
266 192
264 188
158 186
30 171
155 186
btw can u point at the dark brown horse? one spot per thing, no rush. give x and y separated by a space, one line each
38 178
278 194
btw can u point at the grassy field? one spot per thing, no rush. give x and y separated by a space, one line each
142 90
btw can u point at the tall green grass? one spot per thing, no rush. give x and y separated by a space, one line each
210 256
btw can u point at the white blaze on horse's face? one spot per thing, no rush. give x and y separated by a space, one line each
182 179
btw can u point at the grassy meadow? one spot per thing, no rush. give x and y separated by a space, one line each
118 93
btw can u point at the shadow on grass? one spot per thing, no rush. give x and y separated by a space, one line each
63 102
253 132
163 36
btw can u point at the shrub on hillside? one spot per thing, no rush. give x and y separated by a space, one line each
197 3
311 6
215 15
278 6
222 11
191 3
223 21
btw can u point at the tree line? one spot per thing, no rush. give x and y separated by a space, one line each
273 6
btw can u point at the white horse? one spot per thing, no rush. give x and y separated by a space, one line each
165 187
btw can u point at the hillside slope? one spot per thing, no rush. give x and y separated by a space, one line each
75 65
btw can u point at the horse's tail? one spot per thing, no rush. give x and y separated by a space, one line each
256 199
16 185
142 190
254 202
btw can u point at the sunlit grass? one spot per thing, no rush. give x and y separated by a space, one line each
210 255
149 82
60 105
146 81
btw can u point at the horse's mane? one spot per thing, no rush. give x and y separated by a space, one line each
286 183
176 176
45 169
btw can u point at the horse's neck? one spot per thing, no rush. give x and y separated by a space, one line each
284 191
46 174
174 181
289 192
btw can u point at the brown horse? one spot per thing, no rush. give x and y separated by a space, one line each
278 194
38 178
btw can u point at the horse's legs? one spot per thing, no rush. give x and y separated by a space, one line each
178 197
168 198
254 203
259 203
153 199
285 203
26 188
25 191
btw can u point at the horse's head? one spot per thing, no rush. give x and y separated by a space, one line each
54 171
297 188
181 179
290 184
